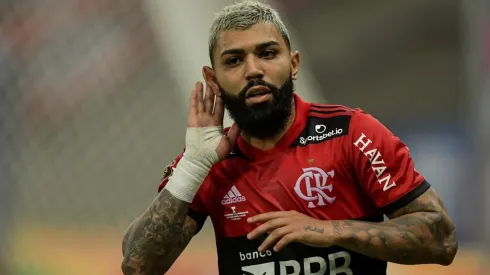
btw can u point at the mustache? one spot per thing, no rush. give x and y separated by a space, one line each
256 82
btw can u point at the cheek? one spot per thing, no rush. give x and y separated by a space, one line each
281 74
230 84
278 70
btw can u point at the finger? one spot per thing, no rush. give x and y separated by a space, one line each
286 239
268 216
214 87
233 133
193 103
219 109
208 100
275 236
268 227
200 99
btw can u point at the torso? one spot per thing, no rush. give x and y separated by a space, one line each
311 174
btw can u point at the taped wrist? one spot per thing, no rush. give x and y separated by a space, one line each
198 159
186 180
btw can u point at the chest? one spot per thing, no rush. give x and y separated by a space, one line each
313 180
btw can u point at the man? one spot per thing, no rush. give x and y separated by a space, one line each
293 187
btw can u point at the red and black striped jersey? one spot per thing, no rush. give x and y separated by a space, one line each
334 163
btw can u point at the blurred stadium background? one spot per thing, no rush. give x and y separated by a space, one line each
92 108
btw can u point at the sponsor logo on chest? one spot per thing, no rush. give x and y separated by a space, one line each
320 134
322 129
335 263
233 196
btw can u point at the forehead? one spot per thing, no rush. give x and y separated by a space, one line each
244 39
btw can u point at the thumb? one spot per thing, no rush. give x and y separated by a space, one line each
233 133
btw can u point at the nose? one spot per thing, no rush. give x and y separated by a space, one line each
253 68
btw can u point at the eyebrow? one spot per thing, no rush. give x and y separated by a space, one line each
259 47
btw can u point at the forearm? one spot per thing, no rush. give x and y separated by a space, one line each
417 238
154 238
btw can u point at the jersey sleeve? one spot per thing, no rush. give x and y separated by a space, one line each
197 210
383 164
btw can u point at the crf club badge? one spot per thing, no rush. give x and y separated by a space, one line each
169 170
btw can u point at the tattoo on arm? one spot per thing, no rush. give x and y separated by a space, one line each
156 239
419 233
337 228
313 229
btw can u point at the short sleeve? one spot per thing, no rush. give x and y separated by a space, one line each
383 164
197 210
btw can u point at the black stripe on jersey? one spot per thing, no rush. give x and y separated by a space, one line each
328 112
320 129
408 198
328 106
199 218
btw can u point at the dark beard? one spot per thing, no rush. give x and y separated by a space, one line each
261 120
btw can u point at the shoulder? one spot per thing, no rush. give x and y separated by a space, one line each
356 117
333 110
332 116
331 121
330 110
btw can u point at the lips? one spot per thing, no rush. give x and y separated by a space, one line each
257 91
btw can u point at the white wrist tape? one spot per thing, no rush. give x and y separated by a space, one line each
198 159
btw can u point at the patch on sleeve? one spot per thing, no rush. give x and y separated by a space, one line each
169 170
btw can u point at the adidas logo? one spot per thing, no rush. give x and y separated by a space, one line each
233 196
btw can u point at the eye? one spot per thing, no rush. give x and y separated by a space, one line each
232 61
268 54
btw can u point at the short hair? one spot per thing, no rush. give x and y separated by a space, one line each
242 16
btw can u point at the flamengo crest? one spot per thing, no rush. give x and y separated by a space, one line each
311 186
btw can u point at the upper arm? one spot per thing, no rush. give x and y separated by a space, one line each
428 222
382 164
427 202
429 210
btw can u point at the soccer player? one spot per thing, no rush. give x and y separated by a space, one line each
292 187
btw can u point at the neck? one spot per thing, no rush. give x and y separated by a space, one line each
266 144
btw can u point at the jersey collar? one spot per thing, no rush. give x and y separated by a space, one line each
301 113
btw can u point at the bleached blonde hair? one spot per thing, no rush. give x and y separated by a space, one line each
242 16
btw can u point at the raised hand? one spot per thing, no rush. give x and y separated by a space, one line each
207 110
